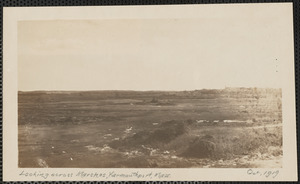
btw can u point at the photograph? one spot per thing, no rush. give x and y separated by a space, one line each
149 93
137 93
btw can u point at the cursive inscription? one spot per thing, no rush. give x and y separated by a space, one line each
96 175
266 174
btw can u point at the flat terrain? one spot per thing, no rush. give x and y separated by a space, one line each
232 127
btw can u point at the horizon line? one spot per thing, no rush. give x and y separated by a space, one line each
95 90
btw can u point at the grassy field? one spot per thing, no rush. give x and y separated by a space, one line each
232 127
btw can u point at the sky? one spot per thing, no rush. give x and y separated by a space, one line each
150 54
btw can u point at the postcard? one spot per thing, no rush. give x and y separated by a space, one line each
149 93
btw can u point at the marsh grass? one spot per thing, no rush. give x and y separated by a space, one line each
213 142
164 128
228 143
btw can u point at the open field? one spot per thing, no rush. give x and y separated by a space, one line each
232 127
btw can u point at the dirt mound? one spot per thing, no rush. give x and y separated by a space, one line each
165 133
200 148
171 135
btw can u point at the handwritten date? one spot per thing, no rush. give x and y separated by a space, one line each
267 174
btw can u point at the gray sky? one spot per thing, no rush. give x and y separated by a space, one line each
152 54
